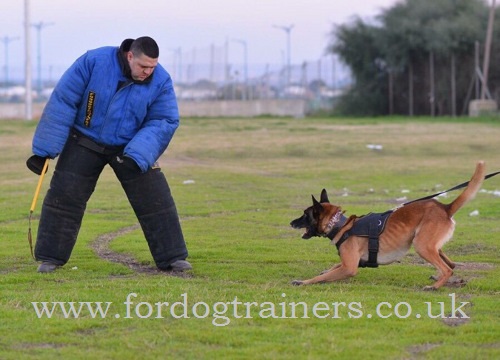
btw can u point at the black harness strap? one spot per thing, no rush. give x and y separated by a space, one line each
372 247
372 250
369 226
344 237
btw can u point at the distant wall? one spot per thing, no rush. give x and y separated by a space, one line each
482 107
231 108
240 108
17 110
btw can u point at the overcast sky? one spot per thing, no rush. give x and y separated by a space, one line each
79 25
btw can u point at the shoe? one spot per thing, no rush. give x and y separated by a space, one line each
180 265
47 267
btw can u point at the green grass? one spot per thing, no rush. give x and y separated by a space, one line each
251 178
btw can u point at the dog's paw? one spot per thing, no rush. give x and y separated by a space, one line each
297 282
429 288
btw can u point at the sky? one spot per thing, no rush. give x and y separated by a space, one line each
72 27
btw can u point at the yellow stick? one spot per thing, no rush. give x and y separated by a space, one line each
37 191
33 203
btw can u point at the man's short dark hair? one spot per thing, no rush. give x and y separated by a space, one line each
145 45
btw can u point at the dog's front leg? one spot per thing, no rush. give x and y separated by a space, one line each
337 273
331 269
350 253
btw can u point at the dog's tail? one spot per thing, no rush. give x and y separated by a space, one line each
470 191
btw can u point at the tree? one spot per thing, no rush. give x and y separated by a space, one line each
356 46
424 51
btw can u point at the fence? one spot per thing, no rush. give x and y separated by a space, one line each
210 74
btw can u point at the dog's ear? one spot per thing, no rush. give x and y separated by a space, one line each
316 205
324 197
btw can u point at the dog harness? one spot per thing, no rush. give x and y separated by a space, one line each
369 226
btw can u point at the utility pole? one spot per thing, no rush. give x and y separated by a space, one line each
6 41
487 49
287 30
27 64
227 75
432 95
245 64
476 69
177 64
39 27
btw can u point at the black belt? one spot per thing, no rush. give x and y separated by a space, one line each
88 143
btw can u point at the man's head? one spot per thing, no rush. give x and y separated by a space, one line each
142 57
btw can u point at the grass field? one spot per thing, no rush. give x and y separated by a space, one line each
238 183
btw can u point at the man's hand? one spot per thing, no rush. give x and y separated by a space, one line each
128 162
35 163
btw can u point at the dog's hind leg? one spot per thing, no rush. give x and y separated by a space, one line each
446 259
448 262
429 253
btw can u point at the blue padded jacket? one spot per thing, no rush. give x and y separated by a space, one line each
95 97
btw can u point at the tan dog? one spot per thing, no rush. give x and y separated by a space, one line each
428 224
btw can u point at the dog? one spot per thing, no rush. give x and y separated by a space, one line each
428 224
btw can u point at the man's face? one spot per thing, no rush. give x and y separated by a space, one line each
141 66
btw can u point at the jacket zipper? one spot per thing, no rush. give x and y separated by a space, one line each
110 103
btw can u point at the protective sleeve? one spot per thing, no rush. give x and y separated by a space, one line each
61 110
157 131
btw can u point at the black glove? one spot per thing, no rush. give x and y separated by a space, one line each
35 163
129 163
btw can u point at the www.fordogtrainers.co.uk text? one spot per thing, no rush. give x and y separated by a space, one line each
222 312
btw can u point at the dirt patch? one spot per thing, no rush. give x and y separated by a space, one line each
414 259
456 318
454 281
455 321
420 349
474 266
101 248
27 346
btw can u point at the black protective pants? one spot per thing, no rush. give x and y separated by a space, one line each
74 180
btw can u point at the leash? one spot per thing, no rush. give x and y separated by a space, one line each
462 185
33 204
